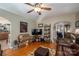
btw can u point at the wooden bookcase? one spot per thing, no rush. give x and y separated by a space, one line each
47 32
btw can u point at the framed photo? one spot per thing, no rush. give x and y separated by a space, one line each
40 25
77 24
23 27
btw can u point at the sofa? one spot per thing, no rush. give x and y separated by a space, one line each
24 39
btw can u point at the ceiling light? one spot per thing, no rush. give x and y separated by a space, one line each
37 9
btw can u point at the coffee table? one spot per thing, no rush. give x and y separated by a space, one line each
41 51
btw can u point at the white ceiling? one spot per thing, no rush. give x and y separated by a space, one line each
64 8
57 9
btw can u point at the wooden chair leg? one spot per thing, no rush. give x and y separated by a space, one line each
63 50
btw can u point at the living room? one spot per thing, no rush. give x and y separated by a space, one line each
34 29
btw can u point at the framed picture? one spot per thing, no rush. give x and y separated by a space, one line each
77 24
23 27
40 25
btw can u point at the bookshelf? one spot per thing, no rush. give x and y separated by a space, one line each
47 32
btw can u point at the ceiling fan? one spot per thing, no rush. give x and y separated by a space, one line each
38 7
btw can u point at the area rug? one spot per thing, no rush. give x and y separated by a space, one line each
52 51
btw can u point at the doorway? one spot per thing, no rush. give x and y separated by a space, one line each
61 27
4 33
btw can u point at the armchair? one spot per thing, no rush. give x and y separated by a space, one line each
24 39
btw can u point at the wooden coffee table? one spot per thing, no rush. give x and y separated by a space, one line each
41 52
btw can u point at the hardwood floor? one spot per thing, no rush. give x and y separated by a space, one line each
24 51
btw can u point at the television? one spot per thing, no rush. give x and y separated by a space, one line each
36 31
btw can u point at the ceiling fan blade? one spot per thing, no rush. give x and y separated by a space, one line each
45 8
30 11
36 4
29 4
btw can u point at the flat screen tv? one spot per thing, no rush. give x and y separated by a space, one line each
36 31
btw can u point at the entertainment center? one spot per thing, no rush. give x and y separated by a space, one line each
42 33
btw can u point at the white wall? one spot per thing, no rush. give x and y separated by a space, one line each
52 20
15 24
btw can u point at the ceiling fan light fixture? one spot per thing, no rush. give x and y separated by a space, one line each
37 9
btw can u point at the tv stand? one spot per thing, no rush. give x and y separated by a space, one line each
36 38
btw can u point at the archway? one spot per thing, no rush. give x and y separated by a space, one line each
61 27
5 29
